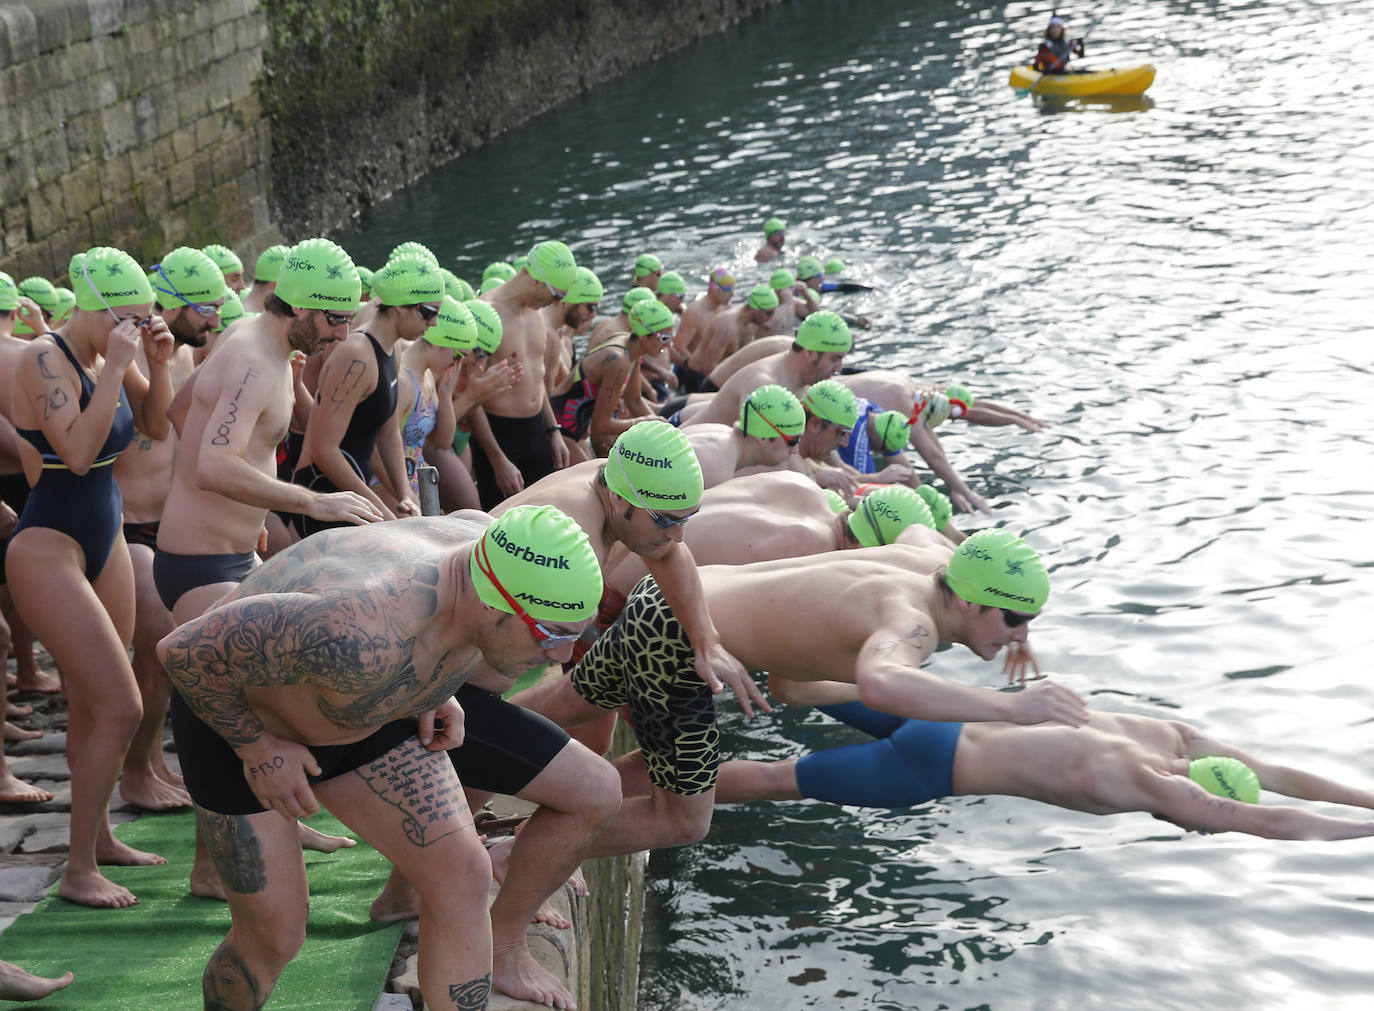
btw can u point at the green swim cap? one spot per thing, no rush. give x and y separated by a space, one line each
834 266
938 503
543 560
225 258
779 407
553 263
415 249
647 263
637 294
836 501
9 293
451 282
671 283
825 331
270 262
832 401
884 513
455 328
809 267
108 273
488 322
187 276
490 284
1226 777
586 290
962 393
366 276
318 274
42 291
773 225
408 280
893 430
763 297
653 465
231 311
996 568
782 278
520 263
462 291
501 270
649 315
66 302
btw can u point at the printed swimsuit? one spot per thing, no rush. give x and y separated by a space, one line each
417 429
574 407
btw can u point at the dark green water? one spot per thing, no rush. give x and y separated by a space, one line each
1182 285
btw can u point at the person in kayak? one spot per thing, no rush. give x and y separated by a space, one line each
1056 48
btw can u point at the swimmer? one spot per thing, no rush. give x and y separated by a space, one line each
869 618
358 394
229 265
608 375
817 353
774 236
268 730
696 320
67 563
620 322
798 519
265 274
897 391
731 330
811 274
14 493
39 292
791 309
755 350
425 385
648 270
770 424
515 435
832 411
187 284
1114 764
566 320
672 291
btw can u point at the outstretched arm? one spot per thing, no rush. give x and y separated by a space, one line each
927 444
1181 801
1282 778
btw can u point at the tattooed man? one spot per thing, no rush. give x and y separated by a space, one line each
305 682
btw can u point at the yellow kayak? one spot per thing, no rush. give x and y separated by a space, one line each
1127 81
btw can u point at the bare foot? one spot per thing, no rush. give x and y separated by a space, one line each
37 682
111 852
398 901
205 882
579 884
16 984
94 889
164 773
321 843
14 709
151 793
14 790
13 733
515 973
546 914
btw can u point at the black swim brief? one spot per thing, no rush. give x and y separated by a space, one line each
214 772
142 533
175 574
504 745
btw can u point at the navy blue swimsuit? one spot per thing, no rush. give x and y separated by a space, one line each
88 507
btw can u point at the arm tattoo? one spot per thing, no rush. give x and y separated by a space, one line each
234 847
43 369
472 995
221 436
350 381
420 785
54 402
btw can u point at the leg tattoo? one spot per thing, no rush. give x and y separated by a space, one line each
235 849
418 784
472 995
228 984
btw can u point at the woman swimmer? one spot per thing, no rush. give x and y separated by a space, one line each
67 564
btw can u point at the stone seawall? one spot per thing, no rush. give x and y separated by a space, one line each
134 123
147 124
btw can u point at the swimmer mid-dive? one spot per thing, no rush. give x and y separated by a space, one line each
1117 763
